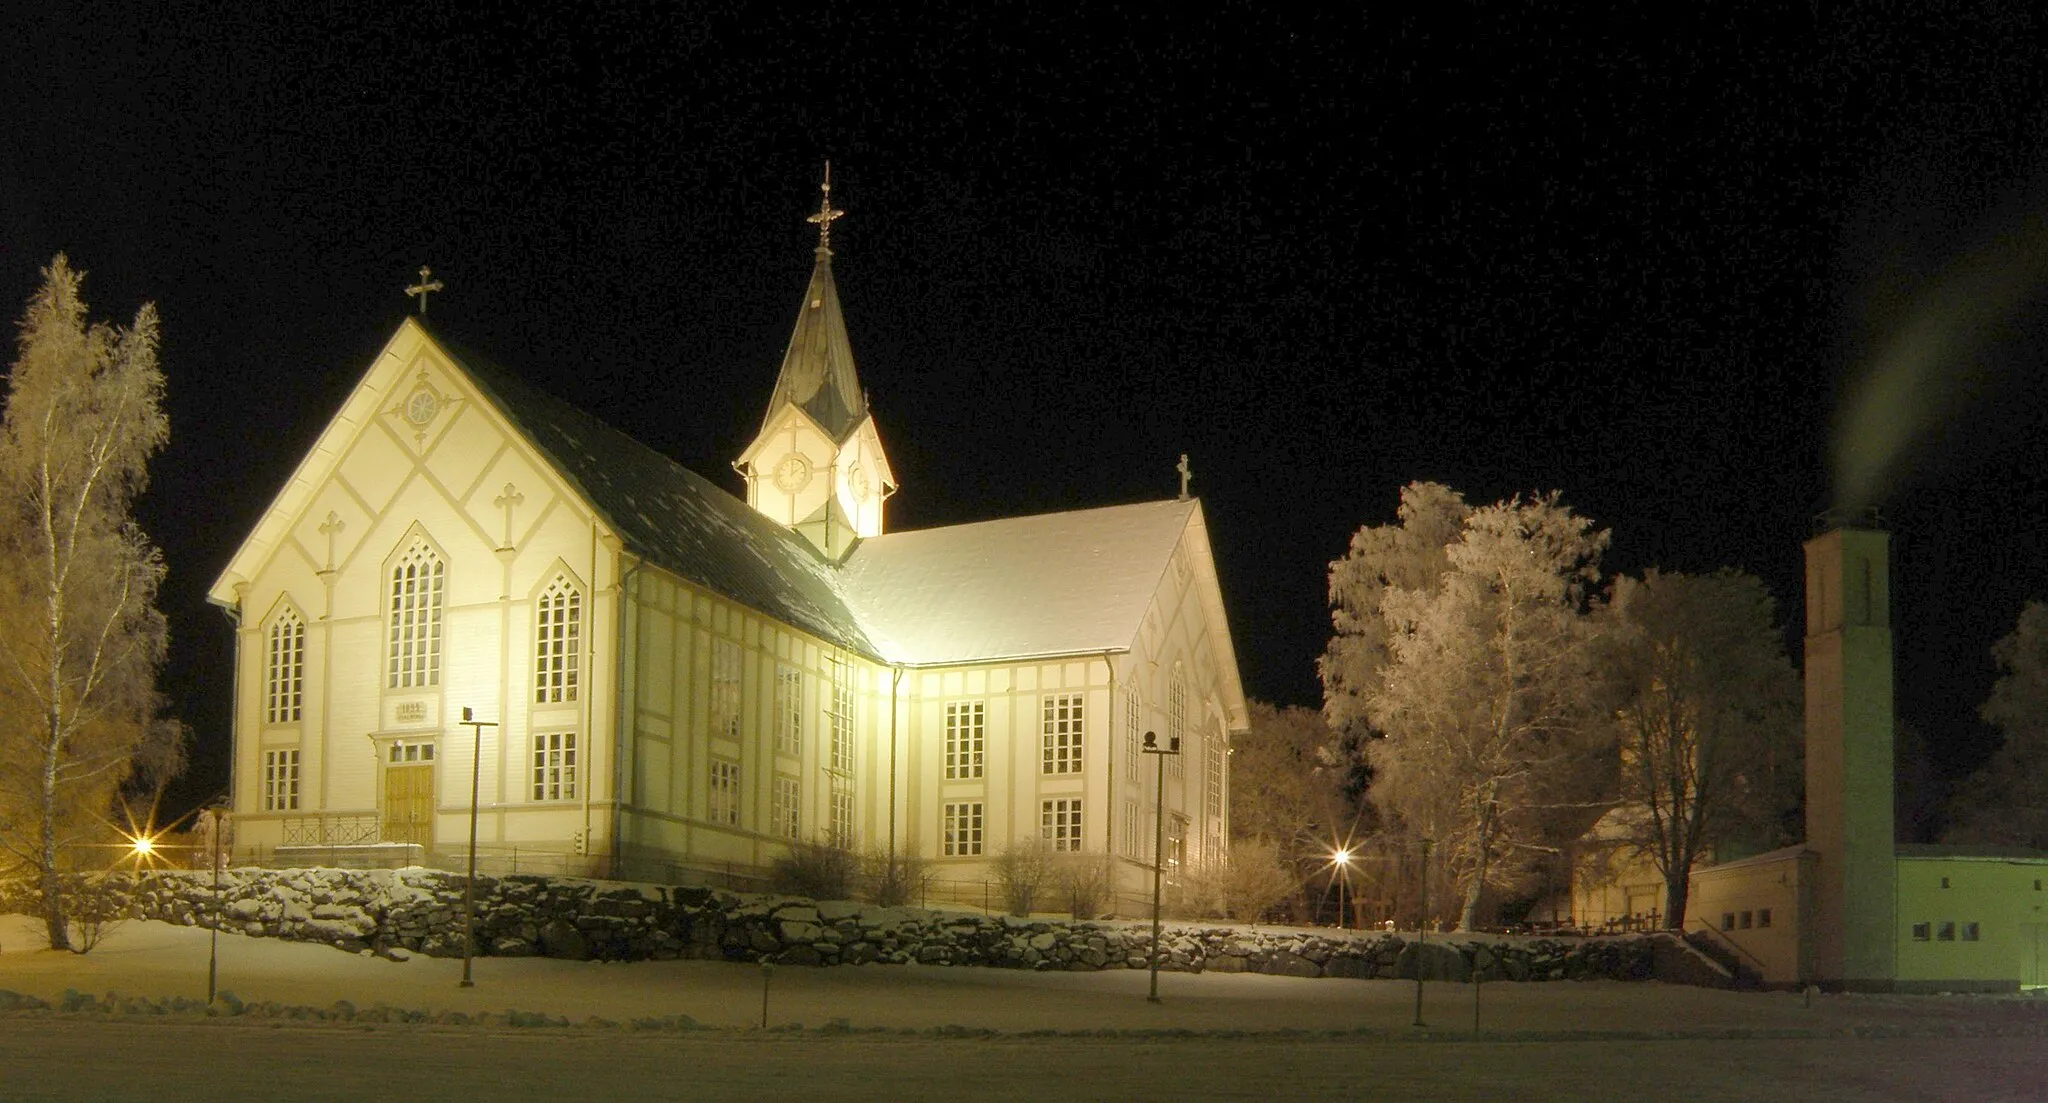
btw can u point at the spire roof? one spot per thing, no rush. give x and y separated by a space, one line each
817 370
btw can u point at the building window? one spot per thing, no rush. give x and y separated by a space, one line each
1746 920
725 689
1059 823
725 792
554 766
1132 825
1969 932
840 829
1763 917
1133 722
1176 840
966 732
1727 921
839 714
408 752
782 810
963 830
1944 882
418 591
1921 931
287 668
1212 783
1946 932
281 781
1062 733
1176 717
789 710
558 633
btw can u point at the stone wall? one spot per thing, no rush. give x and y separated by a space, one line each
395 912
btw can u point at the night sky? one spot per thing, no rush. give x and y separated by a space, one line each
1650 260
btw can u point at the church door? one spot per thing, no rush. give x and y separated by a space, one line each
409 794
2034 955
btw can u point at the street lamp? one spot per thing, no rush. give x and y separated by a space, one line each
1152 747
1341 858
476 768
1422 930
214 818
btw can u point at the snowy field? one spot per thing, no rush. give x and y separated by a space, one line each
905 1032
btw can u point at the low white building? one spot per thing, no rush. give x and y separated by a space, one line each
677 681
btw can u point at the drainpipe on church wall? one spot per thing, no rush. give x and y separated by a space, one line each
234 613
895 689
620 729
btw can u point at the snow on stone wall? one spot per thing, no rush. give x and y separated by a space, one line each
421 911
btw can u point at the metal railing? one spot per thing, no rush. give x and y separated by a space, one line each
331 829
1725 944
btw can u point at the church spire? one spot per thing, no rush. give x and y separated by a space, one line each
817 369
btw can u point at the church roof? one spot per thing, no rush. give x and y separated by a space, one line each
672 517
817 370
1052 584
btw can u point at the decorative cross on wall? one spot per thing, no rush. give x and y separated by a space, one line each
425 285
506 501
328 528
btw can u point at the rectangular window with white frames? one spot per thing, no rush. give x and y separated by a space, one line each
789 710
839 714
554 766
783 809
1059 823
1060 728
281 781
966 739
725 689
725 792
963 829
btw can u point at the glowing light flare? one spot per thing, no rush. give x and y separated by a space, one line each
142 845
1342 857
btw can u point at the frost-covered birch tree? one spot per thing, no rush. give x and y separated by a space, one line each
80 636
2005 801
1464 643
1708 717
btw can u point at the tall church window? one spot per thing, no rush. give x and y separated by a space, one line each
286 679
1176 717
840 830
839 714
418 591
725 689
966 731
1134 723
1061 733
1212 781
559 632
554 766
789 710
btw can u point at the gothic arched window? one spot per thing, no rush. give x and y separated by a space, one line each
558 633
418 591
285 678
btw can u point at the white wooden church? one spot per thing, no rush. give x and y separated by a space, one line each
671 679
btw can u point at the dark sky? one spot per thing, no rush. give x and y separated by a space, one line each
1648 260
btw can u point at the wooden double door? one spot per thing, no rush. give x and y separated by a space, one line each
408 806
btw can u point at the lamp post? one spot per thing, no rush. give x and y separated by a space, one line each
1421 930
1152 747
1341 858
476 767
214 817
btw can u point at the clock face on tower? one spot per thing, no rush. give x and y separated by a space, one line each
857 481
792 473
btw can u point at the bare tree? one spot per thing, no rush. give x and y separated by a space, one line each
80 636
1479 677
2005 801
1708 718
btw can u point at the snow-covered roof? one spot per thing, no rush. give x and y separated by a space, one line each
1053 584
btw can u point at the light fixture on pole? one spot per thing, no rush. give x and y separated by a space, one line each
476 766
1152 747
215 818
1421 930
1341 859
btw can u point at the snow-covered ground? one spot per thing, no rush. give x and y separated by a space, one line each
1250 1036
